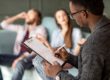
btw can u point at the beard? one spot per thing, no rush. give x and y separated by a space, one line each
30 22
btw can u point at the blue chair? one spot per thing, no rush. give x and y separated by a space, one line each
7 39
50 24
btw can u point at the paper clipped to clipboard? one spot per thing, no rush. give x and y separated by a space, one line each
40 49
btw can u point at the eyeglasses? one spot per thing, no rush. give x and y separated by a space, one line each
72 14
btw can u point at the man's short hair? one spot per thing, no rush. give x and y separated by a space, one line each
96 7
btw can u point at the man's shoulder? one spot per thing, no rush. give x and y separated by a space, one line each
97 43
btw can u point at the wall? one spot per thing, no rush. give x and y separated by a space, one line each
47 7
107 8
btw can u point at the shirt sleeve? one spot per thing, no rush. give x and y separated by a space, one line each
11 27
73 60
77 35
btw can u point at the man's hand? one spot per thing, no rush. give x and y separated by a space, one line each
51 70
21 15
15 62
76 51
24 55
82 41
62 54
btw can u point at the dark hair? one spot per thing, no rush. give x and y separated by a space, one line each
96 7
39 15
68 35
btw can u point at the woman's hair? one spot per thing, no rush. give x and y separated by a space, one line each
68 35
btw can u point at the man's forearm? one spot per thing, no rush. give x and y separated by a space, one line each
21 15
11 19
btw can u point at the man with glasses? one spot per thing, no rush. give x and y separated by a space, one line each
72 14
94 58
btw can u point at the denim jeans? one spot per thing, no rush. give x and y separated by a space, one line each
21 66
37 62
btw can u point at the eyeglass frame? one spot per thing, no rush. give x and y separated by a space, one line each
72 14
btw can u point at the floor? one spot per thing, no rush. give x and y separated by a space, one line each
28 75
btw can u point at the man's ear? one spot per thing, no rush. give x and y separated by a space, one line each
85 14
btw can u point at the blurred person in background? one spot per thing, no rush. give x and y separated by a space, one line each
31 28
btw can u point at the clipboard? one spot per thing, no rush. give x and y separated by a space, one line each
39 48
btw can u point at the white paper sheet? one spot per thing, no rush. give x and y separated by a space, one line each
42 50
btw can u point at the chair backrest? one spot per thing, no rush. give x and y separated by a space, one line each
7 40
50 24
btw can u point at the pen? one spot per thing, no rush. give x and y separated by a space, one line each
59 48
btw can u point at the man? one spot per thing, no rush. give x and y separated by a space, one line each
32 28
94 58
